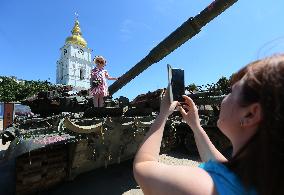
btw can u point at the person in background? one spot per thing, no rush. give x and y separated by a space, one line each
99 75
251 116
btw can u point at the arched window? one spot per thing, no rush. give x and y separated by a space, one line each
82 74
61 72
61 75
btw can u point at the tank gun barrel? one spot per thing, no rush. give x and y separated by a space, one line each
182 34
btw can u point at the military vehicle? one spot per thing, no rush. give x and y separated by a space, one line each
67 136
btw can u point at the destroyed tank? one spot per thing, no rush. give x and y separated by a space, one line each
47 150
67 136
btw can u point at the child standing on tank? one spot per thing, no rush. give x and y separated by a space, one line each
99 75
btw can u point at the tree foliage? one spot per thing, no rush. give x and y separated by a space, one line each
12 90
221 87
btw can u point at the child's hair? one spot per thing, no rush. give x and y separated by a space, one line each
97 58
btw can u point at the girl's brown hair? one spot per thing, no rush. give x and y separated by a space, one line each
260 163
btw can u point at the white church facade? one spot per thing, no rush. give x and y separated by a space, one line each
75 63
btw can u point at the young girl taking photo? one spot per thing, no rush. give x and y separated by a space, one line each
251 116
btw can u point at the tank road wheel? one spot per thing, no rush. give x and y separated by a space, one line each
41 169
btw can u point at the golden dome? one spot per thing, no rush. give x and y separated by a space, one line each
76 37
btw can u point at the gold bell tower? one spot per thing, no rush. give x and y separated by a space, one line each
75 63
76 37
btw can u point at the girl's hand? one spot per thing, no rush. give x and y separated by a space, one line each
167 108
189 112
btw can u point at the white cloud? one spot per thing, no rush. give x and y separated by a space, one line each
126 29
163 6
129 27
126 26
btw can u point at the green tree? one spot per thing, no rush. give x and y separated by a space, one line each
8 89
191 87
223 84
11 90
221 87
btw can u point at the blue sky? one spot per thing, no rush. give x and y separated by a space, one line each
32 31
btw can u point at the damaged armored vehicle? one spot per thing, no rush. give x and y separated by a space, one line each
67 136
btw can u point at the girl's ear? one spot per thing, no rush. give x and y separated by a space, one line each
253 115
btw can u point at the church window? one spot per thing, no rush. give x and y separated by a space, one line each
82 74
61 74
